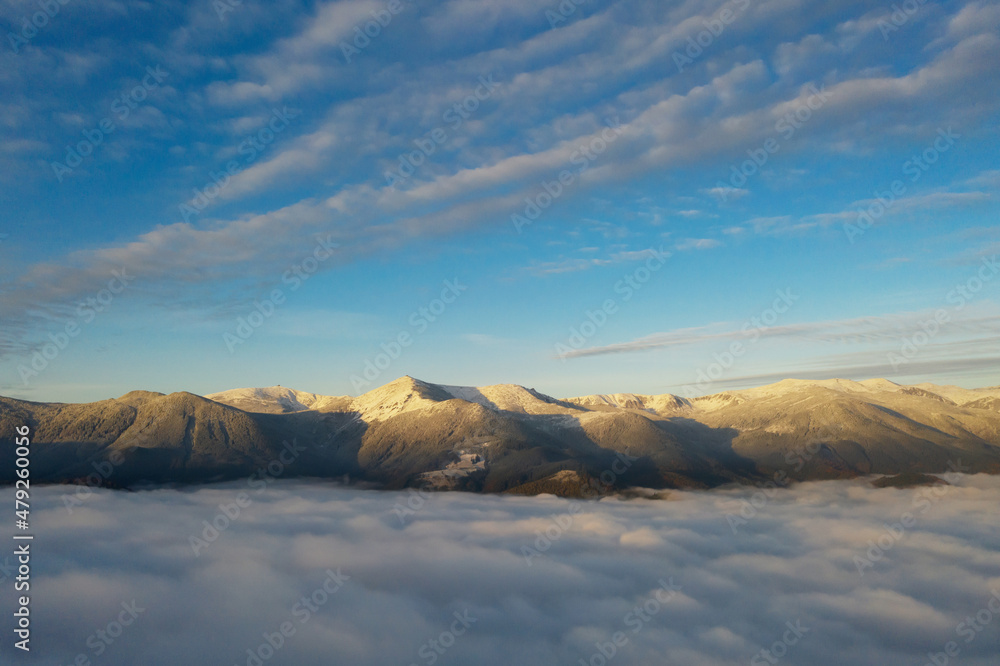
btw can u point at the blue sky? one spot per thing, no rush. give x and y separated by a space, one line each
214 156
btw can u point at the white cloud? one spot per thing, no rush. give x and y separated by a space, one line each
670 123
973 320
794 560
298 61
698 244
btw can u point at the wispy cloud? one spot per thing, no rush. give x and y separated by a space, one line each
574 264
885 328
698 244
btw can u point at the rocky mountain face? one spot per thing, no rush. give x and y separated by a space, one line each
508 438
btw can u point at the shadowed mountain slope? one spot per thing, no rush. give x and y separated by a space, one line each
508 437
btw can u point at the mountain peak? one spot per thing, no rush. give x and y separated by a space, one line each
134 397
508 398
407 393
666 402
400 395
273 399
505 436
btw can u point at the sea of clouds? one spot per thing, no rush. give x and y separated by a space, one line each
310 573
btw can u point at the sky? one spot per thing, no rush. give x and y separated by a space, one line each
648 197
822 573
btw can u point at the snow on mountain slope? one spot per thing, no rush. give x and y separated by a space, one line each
405 394
786 386
272 400
622 400
408 427
660 404
402 395
959 395
881 389
508 398
879 384
408 394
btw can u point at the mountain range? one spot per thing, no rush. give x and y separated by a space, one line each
508 438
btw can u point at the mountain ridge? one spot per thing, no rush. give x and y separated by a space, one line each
506 437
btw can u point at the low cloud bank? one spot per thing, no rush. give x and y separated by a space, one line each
825 573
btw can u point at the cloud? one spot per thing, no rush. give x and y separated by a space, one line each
238 93
905 206
974 18
485 339
866 366
606 62
698 244
566 266
574 264
794 560
724 192
891 328
300 60
661 132
987 179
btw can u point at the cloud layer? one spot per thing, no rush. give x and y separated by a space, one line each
365 577
535 147
724 101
